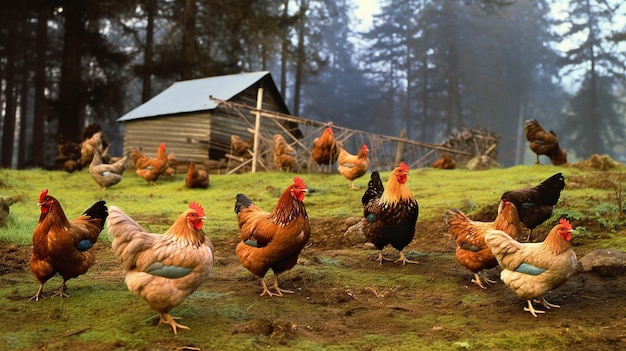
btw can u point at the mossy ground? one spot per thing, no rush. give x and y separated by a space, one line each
344 300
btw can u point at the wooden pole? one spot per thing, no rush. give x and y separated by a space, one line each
400 148
257 128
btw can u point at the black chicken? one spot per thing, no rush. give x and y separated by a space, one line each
535 204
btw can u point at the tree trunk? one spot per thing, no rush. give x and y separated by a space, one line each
68 109
8 130
300 59
189 54
37 148
284 51
146 92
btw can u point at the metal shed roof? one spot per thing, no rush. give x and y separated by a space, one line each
193 95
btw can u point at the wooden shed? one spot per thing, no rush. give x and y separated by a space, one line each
189 118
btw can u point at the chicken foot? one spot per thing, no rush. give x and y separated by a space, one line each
279 291
166 318
545 303
61 291
404 260
38 294
352 186
478 281
532 310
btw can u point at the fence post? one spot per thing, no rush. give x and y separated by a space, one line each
257 128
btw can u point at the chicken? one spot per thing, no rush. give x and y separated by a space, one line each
239 147
324 150
351 166
89 147
445 162
150 168
472 252
68 154
535 204
107 175
172 164
544 143
273 240
196 178
163 269
390 213
532 269
63 246
285 156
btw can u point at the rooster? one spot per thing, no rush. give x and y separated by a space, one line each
324 150
107 175
196 178
532 269
390 213
63 246
535 204
273 240
285 156
150 168
472 252
544 143
163 269
351 166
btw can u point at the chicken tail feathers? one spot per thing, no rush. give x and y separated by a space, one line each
553 185
375 188
98 210
241 202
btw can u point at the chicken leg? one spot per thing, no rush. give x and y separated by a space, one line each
61 291
279 291
38 294
532 310
166 318
545 303
404 260
478 281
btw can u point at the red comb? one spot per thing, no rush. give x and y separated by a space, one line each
364 147
299 182
162 146
43 194
404 167
196 207
566 223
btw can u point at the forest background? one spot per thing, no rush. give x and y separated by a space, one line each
430 67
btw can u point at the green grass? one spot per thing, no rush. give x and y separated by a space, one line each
216 314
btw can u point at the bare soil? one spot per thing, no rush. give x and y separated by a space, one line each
445 309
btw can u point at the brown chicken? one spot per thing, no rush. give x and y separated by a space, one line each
63 246
445 162
285 156
325 150
536 204
172 164
390 213
196 178
472 252
532 269
239 147
273 240
163 269
544 143
68 154
89 147
150 168
353 166
107 175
